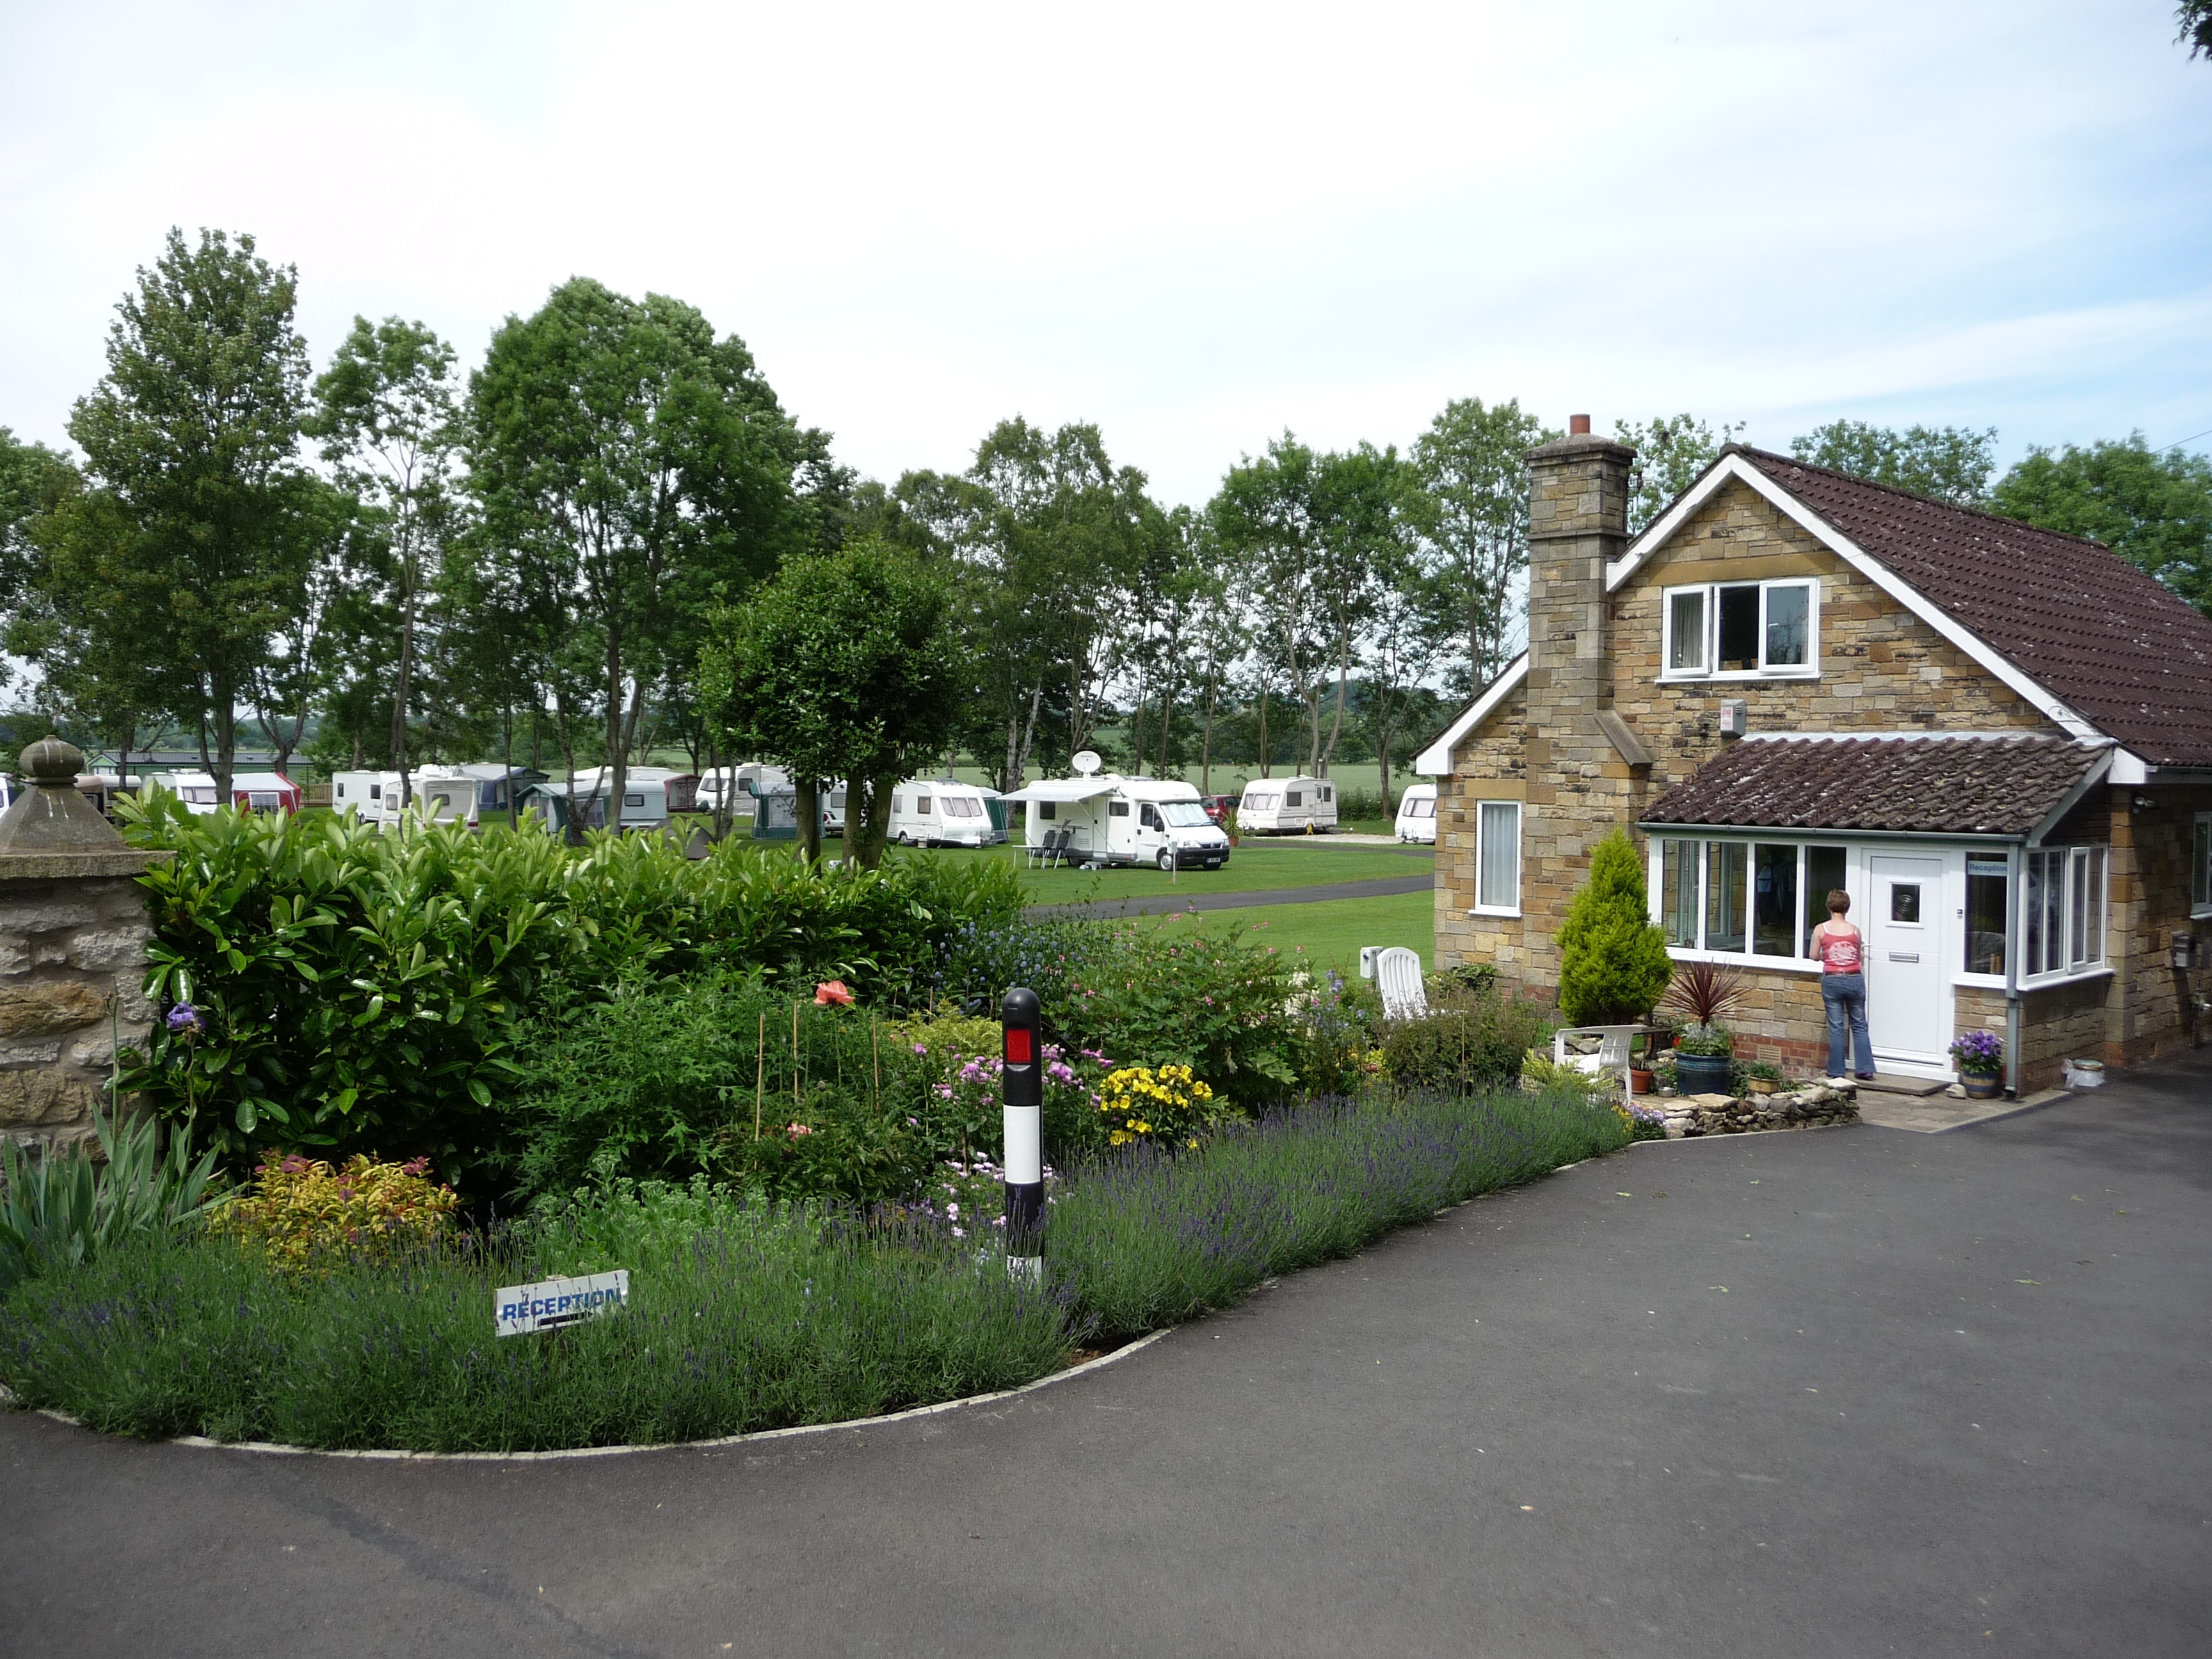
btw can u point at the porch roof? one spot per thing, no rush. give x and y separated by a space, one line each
1932 783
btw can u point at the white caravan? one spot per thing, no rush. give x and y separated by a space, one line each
373 797
737 783
194 789
1095 820
645 797
940 812
1417 813
1287 807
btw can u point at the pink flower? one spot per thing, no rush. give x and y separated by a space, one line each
799 1129
831 990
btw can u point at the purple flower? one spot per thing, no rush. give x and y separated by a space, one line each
185 1018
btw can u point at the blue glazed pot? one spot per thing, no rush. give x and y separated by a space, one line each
1701 1074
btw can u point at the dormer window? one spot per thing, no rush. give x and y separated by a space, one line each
1740 630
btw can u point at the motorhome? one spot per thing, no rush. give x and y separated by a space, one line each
1417 813
1095 819
940 812
1287 807
738 783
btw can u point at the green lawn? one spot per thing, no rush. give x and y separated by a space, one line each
1255 866
1331 933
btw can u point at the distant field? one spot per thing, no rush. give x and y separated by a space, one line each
1255 866
1331 933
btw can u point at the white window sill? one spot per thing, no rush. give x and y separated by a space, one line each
1745 959
1487 910
1980 982
1736 675
2078 976
2204 914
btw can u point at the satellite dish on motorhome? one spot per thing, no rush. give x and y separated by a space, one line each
1086 762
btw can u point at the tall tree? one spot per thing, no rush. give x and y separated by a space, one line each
845 665
1951 463
642 463
1473 510
386 414
2153 509
1411 626
1266 516
193 440
1671 451
2195 18
34 481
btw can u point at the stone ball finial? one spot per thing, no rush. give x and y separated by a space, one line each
52 764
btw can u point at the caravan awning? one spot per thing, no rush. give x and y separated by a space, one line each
1066 789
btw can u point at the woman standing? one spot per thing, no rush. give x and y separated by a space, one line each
1841 954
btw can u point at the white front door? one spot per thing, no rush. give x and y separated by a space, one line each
1907 1013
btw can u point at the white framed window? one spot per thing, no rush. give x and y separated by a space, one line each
1753 899
1740 630
2200 867
1497 858
2063 911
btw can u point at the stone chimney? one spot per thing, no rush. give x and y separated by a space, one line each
1580 781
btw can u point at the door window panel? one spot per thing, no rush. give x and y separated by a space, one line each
1904 903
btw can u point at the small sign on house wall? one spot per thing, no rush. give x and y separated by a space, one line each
520 1309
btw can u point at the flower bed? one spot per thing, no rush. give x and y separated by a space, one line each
745 1314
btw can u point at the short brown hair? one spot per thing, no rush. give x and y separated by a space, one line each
1839 900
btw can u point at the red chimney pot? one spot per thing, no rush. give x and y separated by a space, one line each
1578 426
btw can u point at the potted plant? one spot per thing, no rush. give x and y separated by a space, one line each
1763 1077
1703 990
1979 1056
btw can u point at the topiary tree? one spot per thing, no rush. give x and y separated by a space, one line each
1612 961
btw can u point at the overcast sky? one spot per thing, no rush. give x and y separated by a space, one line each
1194 225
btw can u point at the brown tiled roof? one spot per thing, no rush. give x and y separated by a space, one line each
2126 653
1988 786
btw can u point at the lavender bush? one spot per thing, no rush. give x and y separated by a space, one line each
1151 1237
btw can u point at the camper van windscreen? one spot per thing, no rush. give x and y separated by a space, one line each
1184 815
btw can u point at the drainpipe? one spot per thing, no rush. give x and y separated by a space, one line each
2017 932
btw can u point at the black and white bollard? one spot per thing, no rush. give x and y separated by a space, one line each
1023 1079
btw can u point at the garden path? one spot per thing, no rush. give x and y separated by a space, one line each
1851 1391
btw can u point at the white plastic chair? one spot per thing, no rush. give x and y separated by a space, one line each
1398 975
1609 1053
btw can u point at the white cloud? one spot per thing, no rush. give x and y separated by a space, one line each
1195 226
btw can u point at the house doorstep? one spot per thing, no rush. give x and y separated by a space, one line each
1896 1083
1933 1117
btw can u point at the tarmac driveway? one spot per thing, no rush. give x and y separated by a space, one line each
1852 1391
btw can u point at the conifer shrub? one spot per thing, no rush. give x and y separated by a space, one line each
1614 964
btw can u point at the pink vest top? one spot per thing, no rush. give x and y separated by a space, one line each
1838 954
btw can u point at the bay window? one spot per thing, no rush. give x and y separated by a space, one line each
1741 630
2063 911
1745 898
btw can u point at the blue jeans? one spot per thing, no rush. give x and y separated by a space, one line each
1844 995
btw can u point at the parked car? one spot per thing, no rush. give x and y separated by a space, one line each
1217 807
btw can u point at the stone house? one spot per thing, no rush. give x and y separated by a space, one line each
1997 739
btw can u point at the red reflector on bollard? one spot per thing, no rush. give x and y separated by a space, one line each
1020 1051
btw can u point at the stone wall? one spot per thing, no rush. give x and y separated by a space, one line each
72 960
2150 1009
73 934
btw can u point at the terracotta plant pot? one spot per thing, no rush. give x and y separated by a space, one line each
1640 1081
1980 1086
